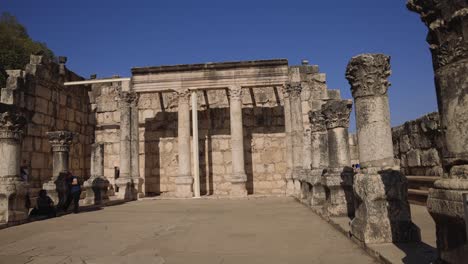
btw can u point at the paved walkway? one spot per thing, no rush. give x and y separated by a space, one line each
270 230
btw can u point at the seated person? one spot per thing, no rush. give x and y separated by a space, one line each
44 206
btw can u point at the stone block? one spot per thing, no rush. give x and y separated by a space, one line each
430 158
414 158
37 160
43 92
405 144
41 105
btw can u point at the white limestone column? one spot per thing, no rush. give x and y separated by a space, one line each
297 132
195 146
12 188
125 182
135 147
338 180
319 159
184 180
288 141
57 187
382 209
96 186
238 176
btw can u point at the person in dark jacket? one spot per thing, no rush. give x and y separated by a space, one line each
44 206
74 192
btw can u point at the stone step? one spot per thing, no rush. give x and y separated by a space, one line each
418 197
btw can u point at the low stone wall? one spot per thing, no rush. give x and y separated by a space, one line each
39 90
418 145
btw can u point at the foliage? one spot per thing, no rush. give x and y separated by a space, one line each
16 46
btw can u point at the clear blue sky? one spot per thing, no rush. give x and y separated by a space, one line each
110 37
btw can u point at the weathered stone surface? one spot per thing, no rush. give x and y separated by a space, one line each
447 23
382 211
97 185
12 188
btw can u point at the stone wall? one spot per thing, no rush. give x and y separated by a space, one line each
39 90
263 131
418 145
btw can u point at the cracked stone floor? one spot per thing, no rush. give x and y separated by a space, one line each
266 230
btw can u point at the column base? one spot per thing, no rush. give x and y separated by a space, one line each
382 210
57 190
13 195
318 196
306 193
96 190
238 185
127 189
338 188
289 187
445 204
184 187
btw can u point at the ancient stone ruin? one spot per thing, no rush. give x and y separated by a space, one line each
234 129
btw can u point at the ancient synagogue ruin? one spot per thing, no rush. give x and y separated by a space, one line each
234 129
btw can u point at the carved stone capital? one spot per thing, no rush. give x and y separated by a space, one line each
183 95
368 75
12 122
337 113
294 89
128 99
60 140
447 21
235 92
317 121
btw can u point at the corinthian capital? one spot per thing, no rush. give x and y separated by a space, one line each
60 140
183 95
368 75
337 113
12 122
235 92
294 89
128 99
317 121
447 21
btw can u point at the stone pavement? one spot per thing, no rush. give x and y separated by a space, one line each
270 230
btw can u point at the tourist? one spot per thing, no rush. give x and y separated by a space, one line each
44 206
74 192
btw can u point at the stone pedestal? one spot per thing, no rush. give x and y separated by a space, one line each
96 186
338 179
12 189
447 22
288 142
319 156
57 187
238 176
128 188
184 180
380 190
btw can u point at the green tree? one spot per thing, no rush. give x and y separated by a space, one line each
16 46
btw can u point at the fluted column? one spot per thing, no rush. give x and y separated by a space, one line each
288 141
297 134
125 182
12 188
381 192
447 22
238 176
339 177
319 156
57 186
184 180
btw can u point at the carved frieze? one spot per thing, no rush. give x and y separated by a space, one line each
337 113
368 75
